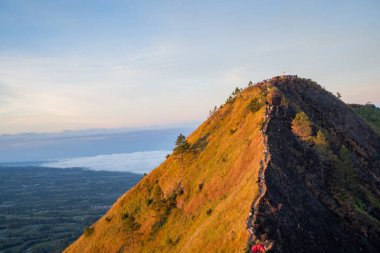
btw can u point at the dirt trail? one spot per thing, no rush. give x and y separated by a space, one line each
261 178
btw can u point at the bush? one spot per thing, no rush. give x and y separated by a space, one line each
200 187
88 231
200 144
169 241
149 201
254 105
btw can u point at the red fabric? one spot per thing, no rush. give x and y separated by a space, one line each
258 248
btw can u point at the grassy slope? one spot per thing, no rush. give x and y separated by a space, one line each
370 113
228 168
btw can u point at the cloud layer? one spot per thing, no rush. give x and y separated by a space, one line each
136 162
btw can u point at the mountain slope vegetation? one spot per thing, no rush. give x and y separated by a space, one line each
282 162
369 113
198 199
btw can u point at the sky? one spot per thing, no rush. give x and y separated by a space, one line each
110 63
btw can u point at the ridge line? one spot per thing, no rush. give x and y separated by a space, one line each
251 226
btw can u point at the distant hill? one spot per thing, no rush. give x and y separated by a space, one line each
370 113
282 162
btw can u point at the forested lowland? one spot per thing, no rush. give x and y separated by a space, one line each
45 209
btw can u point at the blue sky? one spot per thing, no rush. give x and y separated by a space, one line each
89 64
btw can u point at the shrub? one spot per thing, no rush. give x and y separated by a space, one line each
130 225
169 241
88 231
301 126
200 144
149 201
200 187
254 105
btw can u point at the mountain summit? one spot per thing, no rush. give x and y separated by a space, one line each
282 162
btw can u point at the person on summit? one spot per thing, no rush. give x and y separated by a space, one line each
258 248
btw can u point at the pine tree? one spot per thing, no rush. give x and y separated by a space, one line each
301 126
236 91
181 147
181 144
320 139
322 146
345 168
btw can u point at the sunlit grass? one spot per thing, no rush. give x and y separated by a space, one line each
205 220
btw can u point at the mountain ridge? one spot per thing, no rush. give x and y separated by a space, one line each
204 199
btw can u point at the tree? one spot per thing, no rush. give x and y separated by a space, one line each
211 112
130 225
181 147
236 91
320 139
322 147
162 207
345 168
338 95
181 144
301 126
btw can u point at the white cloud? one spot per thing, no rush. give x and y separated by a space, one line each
136 162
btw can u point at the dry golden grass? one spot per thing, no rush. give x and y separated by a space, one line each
227 168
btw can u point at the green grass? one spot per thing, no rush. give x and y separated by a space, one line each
370 113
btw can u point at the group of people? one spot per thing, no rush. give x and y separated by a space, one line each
259 247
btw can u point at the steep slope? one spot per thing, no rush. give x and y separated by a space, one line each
321 195
206 197
370 113
283 162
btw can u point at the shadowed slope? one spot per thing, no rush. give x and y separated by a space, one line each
320 197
